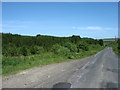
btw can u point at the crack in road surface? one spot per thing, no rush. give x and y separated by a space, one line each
97 71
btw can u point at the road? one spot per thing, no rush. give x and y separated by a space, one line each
97 71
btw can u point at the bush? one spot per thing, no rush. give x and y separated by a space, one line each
58 49
63 50
34 50
5 52
82 46
55 48
38 50
24 51
100 42
72 47
12 51
92 46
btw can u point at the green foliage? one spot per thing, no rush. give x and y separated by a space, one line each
118 42
75 39
5 52
38 35
55 48
115 46
33 50
82 46
92 46
72 47
13 51
17 45
101 42
61 50
24 51
36 50
14 64
40 50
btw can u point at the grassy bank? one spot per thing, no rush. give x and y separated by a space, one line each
114 46
15 64
22 52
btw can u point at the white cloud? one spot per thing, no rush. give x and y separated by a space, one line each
93 28
16 24
13 26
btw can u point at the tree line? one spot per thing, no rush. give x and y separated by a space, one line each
19 45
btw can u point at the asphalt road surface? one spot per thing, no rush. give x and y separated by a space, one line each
97 71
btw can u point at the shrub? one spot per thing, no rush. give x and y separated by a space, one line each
24 51
82 46
101 42
70 57
33 50
13 51
58 49
38 49
72 47
5 52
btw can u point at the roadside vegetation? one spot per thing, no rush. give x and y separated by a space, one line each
115 46
23 52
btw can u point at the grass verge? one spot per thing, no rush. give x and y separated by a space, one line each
114 46
11 65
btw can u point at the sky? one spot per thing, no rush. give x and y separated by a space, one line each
87 19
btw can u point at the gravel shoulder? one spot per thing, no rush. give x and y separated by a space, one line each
45 76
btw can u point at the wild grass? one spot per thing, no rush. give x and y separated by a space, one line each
11 65
114 46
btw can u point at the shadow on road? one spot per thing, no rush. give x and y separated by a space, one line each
63 85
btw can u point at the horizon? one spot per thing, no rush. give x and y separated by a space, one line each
96 20
55 36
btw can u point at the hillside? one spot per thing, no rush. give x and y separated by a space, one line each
22 52
14 43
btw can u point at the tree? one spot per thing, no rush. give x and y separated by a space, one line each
101 42
75 39
38 35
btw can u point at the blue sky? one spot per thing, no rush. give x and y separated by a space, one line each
87 19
